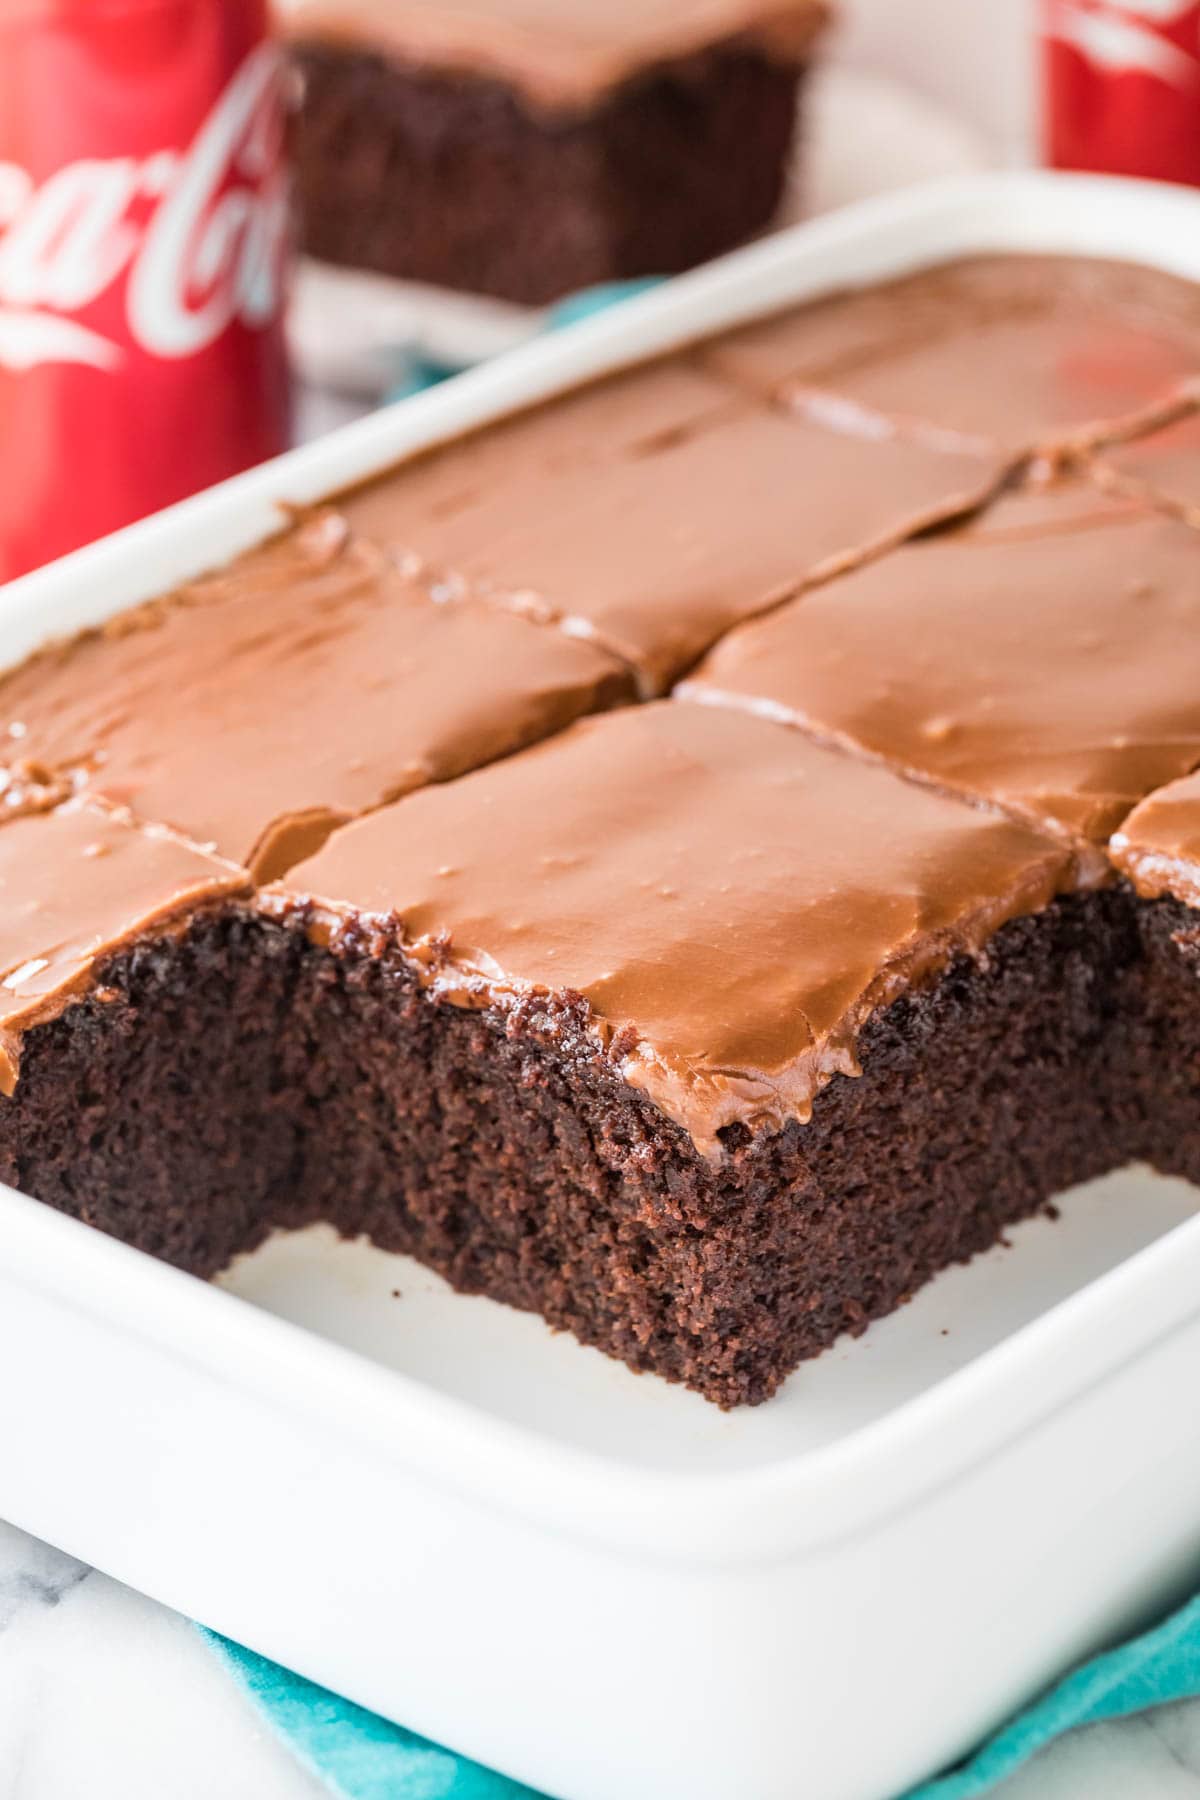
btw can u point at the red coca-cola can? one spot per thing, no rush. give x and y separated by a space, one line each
1122 86
143 234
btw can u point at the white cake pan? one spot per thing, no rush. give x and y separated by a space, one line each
587 1579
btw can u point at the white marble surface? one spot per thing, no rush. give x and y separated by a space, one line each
106 1696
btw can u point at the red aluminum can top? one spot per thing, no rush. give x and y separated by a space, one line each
143 228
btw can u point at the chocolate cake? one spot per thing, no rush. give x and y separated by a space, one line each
709 1026
527 148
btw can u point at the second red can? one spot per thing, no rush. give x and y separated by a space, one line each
1122 87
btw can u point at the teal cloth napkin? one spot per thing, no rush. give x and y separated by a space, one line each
361 1757
421 373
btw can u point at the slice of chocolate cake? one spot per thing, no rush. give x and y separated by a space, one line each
526 148
137 1032
1008 355
79 882
1041 657
319 682
703 1041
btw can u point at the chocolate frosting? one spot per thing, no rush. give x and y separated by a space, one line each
1160 467
1158 847
1042 657
443 506
78 883
653 555
561 54
1009 354
729 899
258 708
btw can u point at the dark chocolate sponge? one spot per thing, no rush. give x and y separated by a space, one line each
240 1077
450 179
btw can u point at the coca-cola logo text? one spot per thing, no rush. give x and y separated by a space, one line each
196 235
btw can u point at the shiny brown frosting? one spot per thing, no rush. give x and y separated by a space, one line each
1158 847
258 708
1161 467
1009 354
76 884
652 552
449 503
730 900
1043 658
561 54
665 552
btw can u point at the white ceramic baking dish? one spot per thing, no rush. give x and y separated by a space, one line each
584 1578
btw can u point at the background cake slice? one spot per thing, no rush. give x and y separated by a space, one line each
526 148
